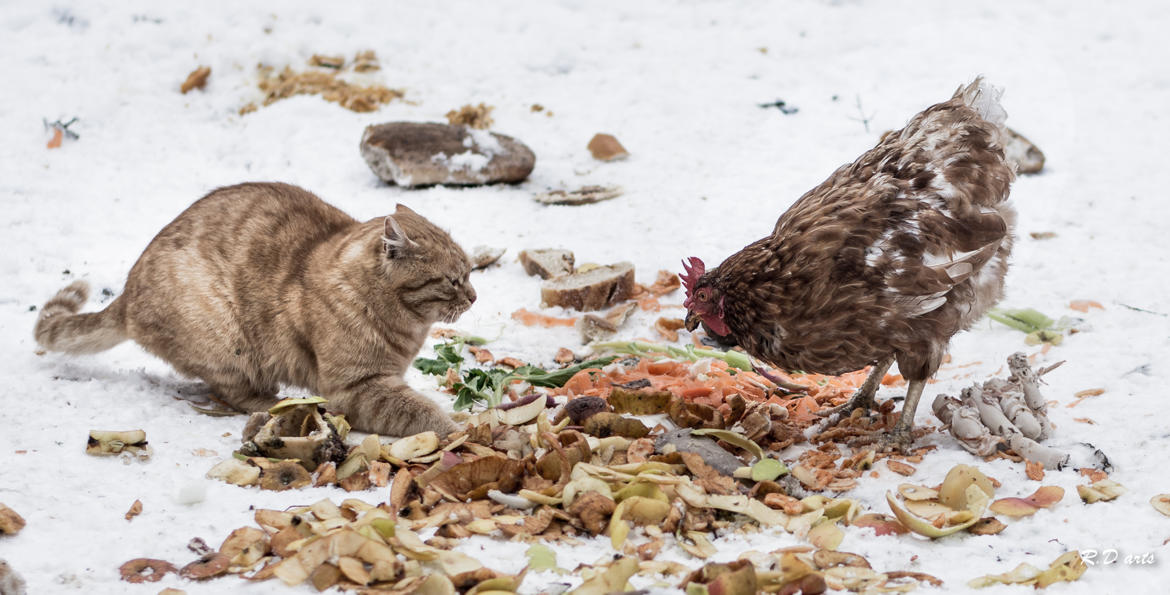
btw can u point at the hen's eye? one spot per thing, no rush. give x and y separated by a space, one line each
703 295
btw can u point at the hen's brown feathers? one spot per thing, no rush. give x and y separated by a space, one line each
892 254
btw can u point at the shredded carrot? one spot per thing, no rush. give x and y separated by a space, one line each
649 304
716 384
893 380
523 316
1084 305
56 140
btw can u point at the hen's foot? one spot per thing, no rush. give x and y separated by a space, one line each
897 440
860 400
863 398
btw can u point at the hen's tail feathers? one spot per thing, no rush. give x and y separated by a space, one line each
61 328
984 99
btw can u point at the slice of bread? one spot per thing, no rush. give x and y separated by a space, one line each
547 263
595 289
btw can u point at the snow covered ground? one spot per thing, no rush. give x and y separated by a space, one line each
680 85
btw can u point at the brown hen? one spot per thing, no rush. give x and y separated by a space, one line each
884 261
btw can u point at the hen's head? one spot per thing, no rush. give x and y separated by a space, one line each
704 301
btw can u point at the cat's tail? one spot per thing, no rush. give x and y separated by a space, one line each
61 328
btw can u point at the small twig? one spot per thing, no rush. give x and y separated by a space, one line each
781 105
864 118
63 127
1137 309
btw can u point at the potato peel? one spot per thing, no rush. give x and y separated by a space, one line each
1161 503
974 498
1101 491
1067 568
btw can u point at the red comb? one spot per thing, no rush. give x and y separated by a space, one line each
694 269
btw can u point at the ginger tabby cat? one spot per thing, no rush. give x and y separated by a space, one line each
261 285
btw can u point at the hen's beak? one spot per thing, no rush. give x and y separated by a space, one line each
693 320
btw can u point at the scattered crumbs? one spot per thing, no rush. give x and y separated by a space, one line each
135 510
474 116
196 80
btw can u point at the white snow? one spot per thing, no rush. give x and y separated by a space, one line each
709 171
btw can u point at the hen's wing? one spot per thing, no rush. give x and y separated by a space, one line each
925 204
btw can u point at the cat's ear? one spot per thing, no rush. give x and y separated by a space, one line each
402 209
394 238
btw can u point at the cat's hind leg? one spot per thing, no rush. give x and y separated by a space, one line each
387 405
243 396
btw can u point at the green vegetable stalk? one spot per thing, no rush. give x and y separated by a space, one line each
1025 319
735 359
1040 328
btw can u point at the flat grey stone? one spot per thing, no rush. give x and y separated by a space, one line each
424 154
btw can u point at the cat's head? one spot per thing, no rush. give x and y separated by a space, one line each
427 269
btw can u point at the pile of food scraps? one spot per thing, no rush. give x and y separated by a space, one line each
518 474
710 378
571 458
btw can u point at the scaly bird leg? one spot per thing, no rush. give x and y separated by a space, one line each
863 398
900 437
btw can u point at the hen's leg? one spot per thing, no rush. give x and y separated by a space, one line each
863 398
901 436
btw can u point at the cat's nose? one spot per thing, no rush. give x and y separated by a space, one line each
470 295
